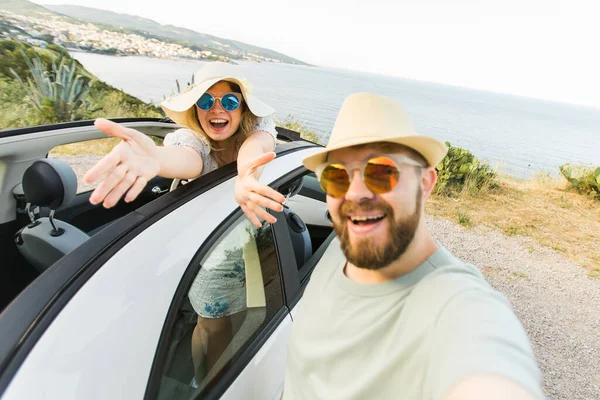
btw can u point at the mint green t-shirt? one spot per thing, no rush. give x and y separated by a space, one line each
413 337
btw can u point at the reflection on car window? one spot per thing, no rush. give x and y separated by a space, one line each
82 156
234 293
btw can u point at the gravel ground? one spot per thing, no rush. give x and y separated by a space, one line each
554 298
80 164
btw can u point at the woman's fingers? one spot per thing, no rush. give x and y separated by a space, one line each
266 191
107 163
265 202
259 162
114 129
264 215
251 216
119 190
136 189
258 212
108 184
263 159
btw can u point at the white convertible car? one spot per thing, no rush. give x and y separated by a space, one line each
94 302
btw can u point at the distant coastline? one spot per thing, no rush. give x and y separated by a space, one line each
97 31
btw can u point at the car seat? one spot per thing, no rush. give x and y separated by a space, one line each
48 183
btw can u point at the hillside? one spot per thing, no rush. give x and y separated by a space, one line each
27 7
149 27
175 41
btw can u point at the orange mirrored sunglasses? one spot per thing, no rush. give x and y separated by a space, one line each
380 174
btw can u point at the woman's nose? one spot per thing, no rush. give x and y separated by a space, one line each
217 107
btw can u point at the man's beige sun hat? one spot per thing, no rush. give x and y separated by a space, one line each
370 118
178 107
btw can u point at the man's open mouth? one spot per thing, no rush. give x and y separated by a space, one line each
366 220
218 123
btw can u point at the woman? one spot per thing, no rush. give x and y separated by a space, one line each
222 123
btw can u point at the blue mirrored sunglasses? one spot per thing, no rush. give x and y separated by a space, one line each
229 101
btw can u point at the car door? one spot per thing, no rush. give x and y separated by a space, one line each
91 325
255 364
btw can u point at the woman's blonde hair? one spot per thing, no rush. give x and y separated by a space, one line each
248 122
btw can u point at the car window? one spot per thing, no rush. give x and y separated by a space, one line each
232 293
81 156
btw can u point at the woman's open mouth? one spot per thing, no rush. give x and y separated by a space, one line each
218 124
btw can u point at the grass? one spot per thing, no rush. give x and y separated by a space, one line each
96 147
541 208
464 218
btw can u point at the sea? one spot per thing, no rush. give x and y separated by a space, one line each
518 136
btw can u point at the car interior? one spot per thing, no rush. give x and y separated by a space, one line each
44 217
28 176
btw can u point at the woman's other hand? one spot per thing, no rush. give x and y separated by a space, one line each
128 167
252 195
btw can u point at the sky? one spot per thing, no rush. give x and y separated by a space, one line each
545 49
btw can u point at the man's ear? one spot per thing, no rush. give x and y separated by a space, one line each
428 181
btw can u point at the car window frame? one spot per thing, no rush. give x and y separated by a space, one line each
296 277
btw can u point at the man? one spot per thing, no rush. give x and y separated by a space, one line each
397 316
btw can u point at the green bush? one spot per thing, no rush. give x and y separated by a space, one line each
57 95
297 126
15 112
11 58
461 171
584 179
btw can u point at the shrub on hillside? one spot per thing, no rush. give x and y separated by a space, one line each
11 57
297 126
584 179
461 171
58 94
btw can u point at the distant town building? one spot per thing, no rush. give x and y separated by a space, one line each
37 42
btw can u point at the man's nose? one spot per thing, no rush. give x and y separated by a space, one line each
357 190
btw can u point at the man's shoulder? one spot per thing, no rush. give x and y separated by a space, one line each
453 280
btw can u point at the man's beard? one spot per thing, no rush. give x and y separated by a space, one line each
377 253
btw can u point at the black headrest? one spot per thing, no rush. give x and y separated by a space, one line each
49 183
299 235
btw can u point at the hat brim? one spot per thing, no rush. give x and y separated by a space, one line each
177 106
431 149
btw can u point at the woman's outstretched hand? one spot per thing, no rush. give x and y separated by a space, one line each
252 195
129 166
